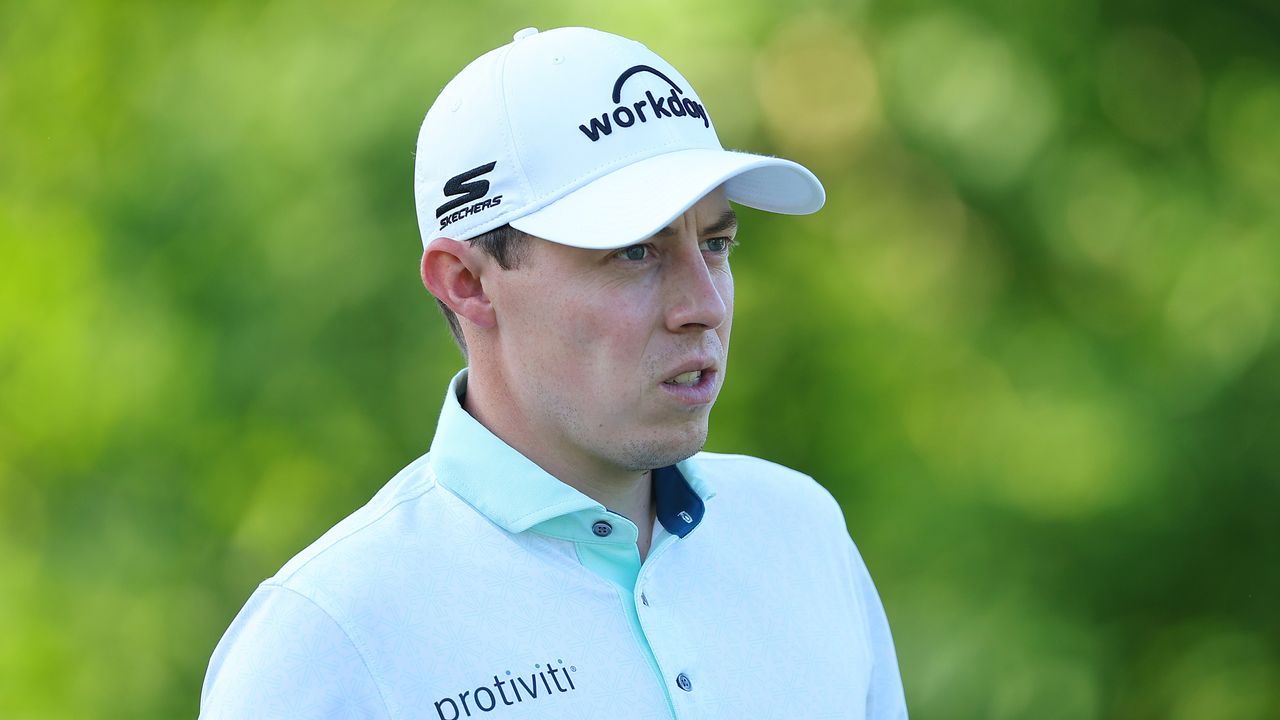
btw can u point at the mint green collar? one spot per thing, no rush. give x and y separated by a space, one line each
515 493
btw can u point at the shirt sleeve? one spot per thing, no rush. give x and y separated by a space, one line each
885 698
285 657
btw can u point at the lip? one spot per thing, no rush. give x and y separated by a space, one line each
701 393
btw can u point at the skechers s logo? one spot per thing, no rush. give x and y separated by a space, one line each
624 116
468 190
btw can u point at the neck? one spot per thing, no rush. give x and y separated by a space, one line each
626 492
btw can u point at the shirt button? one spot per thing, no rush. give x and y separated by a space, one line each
602 529
683 681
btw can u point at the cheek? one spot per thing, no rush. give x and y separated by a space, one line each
726 295
569 334
616 321
535 334
593 348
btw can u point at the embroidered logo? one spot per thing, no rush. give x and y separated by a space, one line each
467 189
626 115
539 684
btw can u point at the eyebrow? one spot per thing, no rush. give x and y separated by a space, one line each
727 220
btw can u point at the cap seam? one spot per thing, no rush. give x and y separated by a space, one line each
508 151
512 152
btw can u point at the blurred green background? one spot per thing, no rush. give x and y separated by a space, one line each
1030 343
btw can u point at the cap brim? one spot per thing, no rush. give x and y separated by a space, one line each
636 201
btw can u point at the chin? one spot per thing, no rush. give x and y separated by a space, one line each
664 451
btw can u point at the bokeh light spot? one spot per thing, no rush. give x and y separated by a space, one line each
817 89
1244 129
971 95
1208 670
1149 85
1052 449
1219 314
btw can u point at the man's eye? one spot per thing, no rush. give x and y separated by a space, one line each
719 245
635 252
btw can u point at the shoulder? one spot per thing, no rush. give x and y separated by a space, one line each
373 522
411 525
739 473
277 660
747 480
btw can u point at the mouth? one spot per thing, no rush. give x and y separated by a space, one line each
693 387
688 379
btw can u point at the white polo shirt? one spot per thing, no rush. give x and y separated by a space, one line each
475 585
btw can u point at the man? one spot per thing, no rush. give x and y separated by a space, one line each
564 550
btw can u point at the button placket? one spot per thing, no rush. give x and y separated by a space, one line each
658 631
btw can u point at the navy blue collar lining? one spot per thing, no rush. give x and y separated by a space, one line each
679 508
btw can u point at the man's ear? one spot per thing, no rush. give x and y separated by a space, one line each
451 271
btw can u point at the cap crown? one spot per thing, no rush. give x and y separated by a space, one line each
542 116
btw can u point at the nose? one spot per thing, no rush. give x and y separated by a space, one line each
694 298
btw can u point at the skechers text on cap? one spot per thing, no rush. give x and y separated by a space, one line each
586 139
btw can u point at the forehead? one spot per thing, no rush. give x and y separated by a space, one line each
709 216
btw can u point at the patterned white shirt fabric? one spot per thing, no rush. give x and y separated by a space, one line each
474 584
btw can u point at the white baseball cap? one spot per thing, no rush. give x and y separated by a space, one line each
586 139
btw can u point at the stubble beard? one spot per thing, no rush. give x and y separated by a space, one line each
640 455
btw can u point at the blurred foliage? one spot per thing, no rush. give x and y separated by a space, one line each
1031 343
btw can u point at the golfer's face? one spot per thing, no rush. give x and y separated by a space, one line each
618 355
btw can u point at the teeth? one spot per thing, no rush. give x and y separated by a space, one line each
688 378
